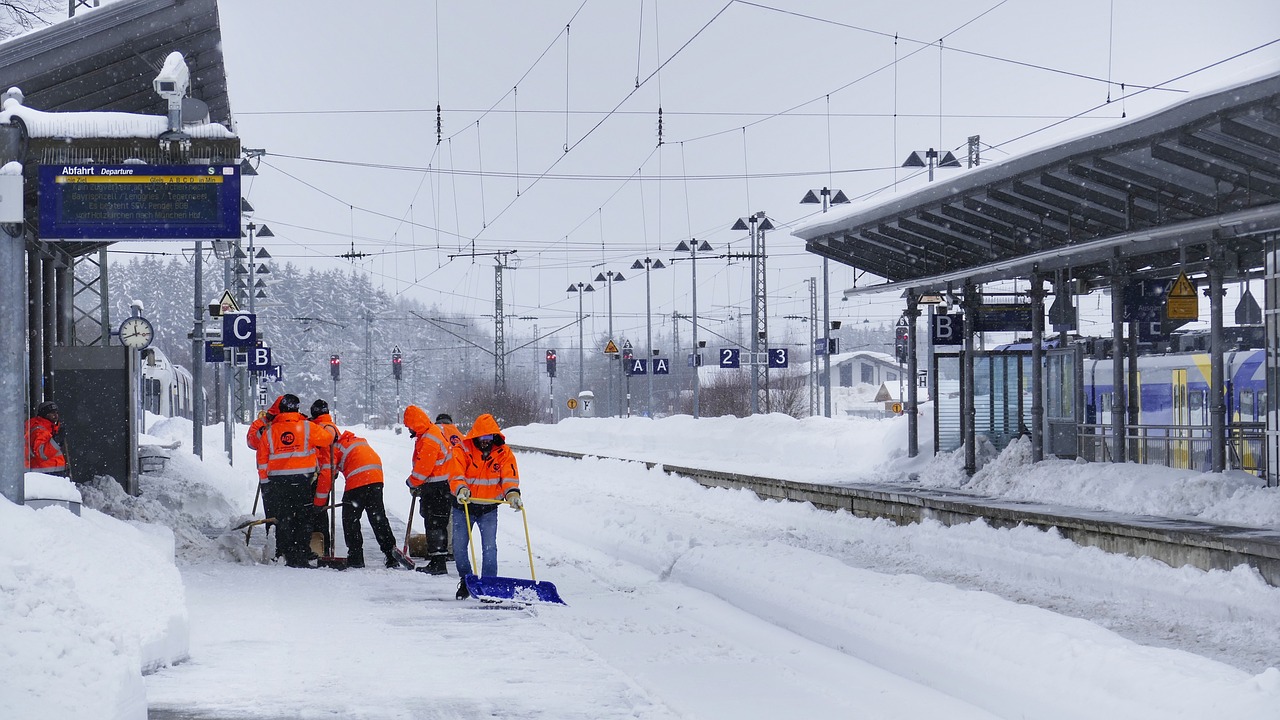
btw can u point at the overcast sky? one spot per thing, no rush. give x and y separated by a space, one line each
760 103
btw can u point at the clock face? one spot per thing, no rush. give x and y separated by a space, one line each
136 333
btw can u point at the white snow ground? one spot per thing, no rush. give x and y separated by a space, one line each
683 602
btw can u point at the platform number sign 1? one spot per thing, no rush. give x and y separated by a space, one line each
729 357
777 357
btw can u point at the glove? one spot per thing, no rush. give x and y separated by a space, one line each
262 414
414 490
413 434
463 494
513 499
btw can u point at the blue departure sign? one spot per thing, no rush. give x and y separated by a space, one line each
139 202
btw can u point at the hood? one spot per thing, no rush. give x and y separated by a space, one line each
416 419
347 437
485 425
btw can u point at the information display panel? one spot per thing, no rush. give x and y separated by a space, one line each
139 202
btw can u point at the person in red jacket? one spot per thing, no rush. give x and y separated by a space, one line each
490 474
287 454
362 468
434 465
256 430
44 454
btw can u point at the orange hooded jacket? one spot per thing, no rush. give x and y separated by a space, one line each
489 476
433 460
259 425
359 463
327 458
288 447
43 453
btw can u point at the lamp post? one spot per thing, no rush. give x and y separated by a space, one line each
610 277
648 264
693 247
829 197
580 288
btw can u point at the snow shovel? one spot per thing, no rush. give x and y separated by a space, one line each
497 587
402 556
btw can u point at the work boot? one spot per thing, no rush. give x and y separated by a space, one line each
355 560
463 593
436 567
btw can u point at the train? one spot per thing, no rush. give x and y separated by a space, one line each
166 387
1174 418
1173 389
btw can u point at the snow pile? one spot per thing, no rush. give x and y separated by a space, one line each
87 605
39 486
855 451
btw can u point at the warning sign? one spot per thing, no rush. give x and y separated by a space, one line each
610 348
1181 302
227 303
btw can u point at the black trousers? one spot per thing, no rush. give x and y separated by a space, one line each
435 506
291 497
355 502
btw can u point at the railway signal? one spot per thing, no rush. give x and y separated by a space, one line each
335 367
551 363
395 364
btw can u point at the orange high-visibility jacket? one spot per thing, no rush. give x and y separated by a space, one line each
326 458
289 445
488 477
433 460
43 453
259 425
359 463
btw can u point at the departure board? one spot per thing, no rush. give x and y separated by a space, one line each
139 202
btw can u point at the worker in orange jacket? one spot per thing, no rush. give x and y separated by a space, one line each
256 430
328 471
44 454
434 465
287 456
362 468
490 474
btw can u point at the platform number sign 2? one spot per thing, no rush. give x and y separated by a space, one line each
729 357
777 357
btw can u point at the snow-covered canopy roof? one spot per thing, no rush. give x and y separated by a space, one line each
105 58
1204 168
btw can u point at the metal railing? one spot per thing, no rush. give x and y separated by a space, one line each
1186 447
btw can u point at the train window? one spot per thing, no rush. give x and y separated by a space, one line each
1105 401
1246 405
1195 399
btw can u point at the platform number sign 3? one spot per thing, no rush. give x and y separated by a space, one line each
777 357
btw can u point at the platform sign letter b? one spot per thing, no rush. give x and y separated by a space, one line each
948 329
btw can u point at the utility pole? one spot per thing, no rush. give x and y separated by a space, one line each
829 197
693 247
757 224
499 320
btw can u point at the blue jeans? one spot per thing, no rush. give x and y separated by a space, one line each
486 519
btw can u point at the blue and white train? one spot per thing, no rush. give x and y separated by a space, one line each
1174 410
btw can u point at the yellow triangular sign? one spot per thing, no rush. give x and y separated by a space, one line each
610 349
1182 287
228 302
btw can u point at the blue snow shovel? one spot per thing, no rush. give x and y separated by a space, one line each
504 588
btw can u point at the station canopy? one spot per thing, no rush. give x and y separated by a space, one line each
105 58
1153 192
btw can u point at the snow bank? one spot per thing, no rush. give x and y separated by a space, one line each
854 451
87 605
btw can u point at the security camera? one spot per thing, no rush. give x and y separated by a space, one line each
174 79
